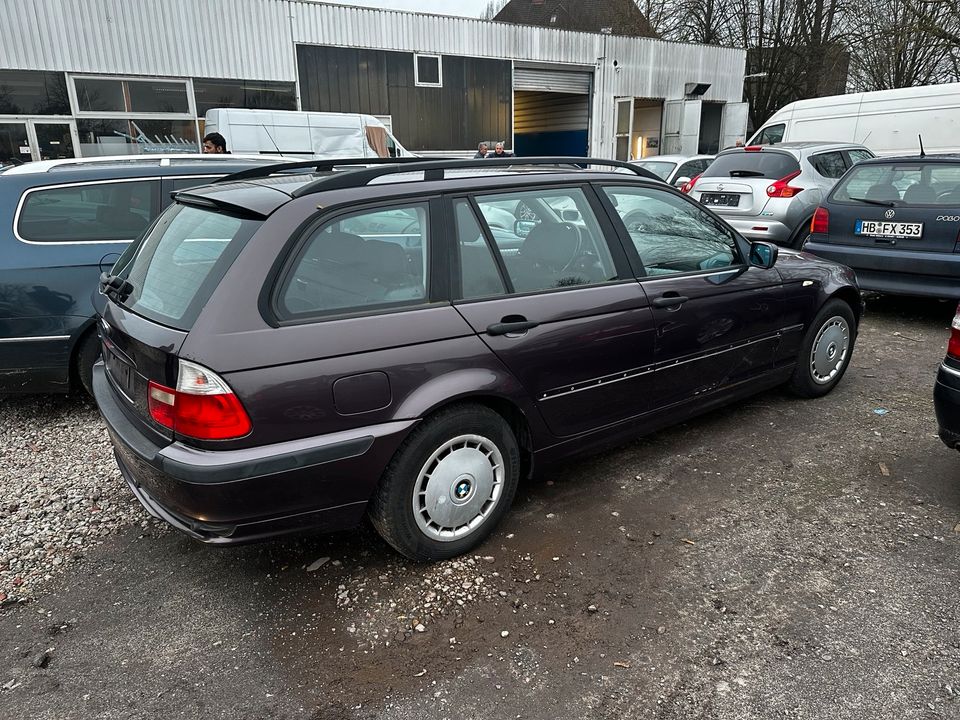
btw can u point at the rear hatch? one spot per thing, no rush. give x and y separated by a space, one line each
156 291
907 205
736 182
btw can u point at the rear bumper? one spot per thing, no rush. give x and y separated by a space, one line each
901 272
761 228
946 403
235 496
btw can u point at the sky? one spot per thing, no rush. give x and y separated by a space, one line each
468 8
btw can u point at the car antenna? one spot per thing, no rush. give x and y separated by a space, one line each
922 153
276 147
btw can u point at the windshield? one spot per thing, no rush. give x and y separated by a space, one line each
931 184
660 168
747 164
177 265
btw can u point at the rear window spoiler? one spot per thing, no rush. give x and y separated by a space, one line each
202 201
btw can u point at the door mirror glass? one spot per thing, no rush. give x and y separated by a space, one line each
763 254
570 215
522 228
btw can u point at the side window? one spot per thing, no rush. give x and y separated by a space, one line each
772 135
98 212
859 156
690 169
829 164
548 239
672 235
375 258
479 276
184 183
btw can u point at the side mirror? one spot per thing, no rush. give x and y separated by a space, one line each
763 254
570 215
522 228
681 181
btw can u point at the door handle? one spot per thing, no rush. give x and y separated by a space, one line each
669 301
511 324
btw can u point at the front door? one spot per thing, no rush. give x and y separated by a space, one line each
717 319
541 285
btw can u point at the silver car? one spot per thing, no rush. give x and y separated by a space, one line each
770 192
676 170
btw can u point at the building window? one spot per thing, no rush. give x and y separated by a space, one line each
428 71
117 95
250 94
135 136
31 92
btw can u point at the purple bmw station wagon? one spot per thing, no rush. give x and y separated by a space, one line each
284 352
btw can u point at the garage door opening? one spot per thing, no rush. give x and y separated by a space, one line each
550 123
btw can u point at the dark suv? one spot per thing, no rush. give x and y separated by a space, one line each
60 219
284 352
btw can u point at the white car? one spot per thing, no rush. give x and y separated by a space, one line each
675 170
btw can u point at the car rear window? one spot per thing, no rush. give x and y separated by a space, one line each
176 267
763 164
661 169
926 184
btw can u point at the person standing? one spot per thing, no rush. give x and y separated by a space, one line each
482 150
499 152
214 143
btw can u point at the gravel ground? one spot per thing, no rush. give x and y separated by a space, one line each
61 492
777 559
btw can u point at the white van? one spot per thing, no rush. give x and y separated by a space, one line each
302 134
889 122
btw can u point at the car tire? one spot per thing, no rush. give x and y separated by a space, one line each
826 350
449 484
87 354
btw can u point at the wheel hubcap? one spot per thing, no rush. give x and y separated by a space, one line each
458 487
829 352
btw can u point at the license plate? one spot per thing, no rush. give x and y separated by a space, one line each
877 228
725 199
121 373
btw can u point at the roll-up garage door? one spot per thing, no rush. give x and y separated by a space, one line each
564 81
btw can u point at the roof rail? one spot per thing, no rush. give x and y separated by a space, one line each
434 170
324 165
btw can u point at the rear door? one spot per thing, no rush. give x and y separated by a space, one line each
736 182
560 308
718 320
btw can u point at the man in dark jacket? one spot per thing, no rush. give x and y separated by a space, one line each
482 150
499 152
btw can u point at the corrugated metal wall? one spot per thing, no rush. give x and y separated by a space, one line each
241 39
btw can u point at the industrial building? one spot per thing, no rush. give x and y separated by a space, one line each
96 77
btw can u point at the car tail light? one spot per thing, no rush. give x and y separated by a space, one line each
781 188
821 221
753 148
953 347
688 185
202 406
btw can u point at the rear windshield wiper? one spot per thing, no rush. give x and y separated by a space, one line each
881 203
115 287
745 173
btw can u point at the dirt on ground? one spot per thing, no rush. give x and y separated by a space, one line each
778 559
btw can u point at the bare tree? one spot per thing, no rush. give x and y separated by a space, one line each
493 7
899 50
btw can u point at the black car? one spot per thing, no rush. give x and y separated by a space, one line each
409 340
896 222
946 392
61 220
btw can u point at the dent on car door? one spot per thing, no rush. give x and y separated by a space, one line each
717 318
557 305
